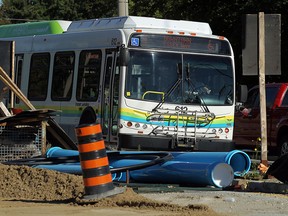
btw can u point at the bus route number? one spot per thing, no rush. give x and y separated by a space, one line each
183 108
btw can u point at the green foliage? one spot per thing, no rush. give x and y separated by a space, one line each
254 173
34 10
63 10
19 10
223 16
148 8
91 9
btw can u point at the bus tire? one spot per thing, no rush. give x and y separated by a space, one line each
283 145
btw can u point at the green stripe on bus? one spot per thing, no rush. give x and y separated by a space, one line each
30 29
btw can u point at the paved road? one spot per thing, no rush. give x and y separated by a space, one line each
270 197
229 202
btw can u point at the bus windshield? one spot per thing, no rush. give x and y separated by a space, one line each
179 78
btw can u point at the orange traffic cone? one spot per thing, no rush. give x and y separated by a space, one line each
94 163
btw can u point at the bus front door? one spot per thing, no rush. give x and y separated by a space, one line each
109 107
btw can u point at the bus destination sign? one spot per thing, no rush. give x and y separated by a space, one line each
180 43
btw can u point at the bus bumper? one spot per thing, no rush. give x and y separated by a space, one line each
161 143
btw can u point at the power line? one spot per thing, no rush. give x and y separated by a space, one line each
27 20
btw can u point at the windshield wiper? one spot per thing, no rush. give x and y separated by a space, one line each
177 83
172 88
188 80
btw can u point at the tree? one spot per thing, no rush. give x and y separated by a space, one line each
34 10
61 9
224 17
91 9
19 11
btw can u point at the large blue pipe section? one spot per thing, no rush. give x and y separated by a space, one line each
177 172
198 168
238 160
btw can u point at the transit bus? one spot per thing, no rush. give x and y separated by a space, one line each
137 73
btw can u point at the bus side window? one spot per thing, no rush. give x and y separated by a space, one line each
38 77
88 75
63 76
115 101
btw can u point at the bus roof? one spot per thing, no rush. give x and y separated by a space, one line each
34 28
133 22
125 22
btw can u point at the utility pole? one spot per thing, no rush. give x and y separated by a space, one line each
123 8
262 89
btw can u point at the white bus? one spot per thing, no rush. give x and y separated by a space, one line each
138 73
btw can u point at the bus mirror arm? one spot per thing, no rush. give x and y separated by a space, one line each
124 55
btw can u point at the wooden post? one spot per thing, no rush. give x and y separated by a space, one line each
262 90
51 126
12 73
44 139
10 84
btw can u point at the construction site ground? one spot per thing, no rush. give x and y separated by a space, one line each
30 191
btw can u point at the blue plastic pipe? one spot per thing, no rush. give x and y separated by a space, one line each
196 168
178 172
171 172
238 160
71 168
59 152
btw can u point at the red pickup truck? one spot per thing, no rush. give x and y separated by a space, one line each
247 130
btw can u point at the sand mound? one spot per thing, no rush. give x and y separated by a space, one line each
22 182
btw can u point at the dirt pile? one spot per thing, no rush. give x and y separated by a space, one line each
22 182
26 183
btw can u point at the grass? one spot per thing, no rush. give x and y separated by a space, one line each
254 174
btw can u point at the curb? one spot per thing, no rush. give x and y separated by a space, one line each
265 186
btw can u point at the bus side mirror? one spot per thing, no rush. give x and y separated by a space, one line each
124 56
